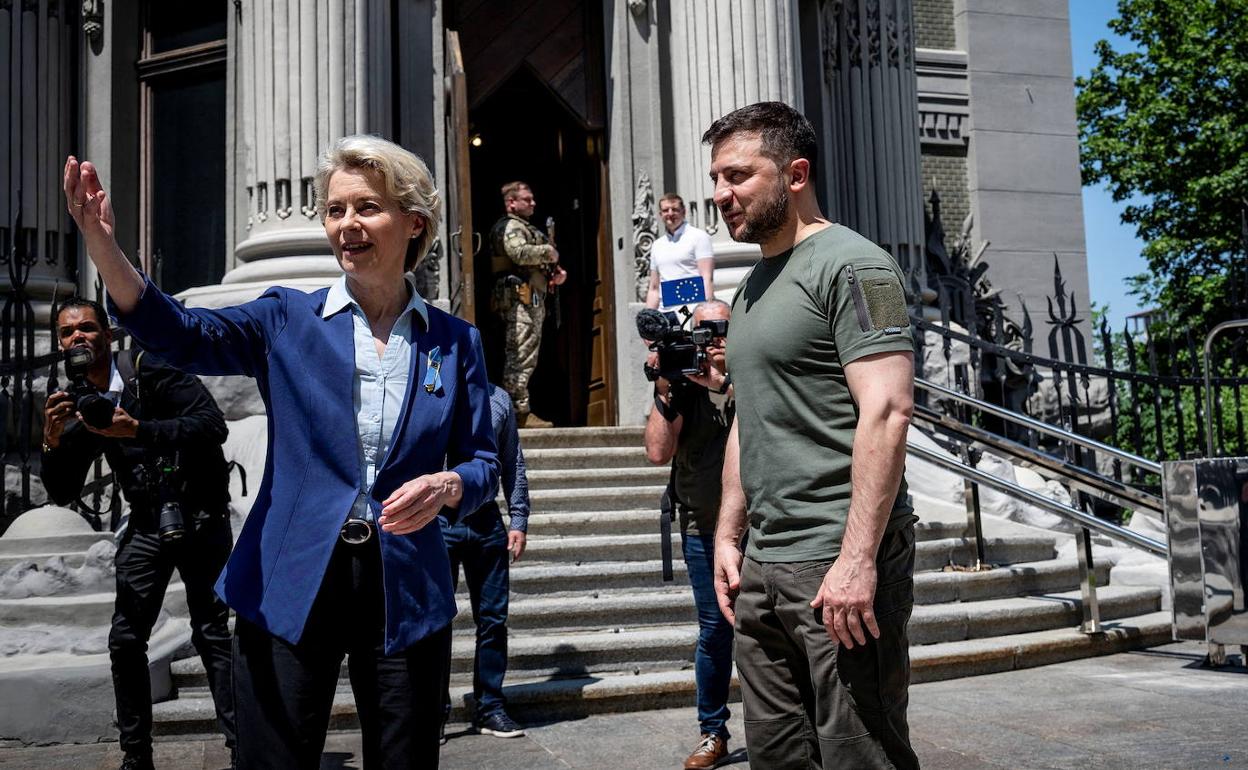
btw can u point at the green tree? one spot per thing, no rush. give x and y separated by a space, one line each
1165 126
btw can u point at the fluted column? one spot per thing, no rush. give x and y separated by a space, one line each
37 74
724 54
302 70
870 123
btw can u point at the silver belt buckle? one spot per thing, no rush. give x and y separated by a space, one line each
356 531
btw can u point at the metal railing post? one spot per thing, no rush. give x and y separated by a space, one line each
970 495
1215 331
1091 623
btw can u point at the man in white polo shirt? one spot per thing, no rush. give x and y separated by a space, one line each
681 252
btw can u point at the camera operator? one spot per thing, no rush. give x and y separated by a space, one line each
161 433
689 427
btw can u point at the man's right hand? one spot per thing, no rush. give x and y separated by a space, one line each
56 412
728 558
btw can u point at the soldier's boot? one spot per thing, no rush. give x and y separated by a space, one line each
530 420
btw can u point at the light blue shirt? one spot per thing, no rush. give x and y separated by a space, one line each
380 384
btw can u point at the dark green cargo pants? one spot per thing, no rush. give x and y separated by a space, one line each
808 703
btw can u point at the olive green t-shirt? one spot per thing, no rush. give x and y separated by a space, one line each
797 319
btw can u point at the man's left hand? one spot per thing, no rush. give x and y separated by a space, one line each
515 544
560 276
124 426
847 596
412 506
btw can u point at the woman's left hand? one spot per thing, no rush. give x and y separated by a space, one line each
415 504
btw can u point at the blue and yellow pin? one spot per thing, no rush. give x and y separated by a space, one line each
433 371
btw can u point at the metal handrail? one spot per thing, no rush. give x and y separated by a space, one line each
1086 520
1148 466
1085 480
1208 352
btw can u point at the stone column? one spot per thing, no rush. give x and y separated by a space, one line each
303 69
870 124
37 75
723 54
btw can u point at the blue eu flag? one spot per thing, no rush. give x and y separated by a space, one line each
683 291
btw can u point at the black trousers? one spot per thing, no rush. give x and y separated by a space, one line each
144 566
285 691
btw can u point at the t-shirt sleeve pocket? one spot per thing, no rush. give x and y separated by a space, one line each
871 314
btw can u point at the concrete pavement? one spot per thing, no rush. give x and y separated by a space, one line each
1136 711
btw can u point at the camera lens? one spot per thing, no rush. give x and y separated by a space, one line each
170 526
96 410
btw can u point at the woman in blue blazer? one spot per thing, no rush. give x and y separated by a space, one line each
378 420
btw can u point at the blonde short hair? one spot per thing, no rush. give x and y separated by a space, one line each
407 179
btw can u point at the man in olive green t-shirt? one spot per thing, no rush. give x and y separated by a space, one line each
821 360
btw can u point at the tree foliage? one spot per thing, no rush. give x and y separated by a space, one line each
1165 126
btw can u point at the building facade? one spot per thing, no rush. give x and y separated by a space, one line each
205 120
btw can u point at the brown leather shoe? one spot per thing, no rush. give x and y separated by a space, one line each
530 420
711 750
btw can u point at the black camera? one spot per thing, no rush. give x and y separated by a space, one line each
681 351
161 480
96 410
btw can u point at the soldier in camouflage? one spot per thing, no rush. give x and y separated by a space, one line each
525 266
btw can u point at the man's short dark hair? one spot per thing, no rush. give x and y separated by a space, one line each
671 196
786 134
80 302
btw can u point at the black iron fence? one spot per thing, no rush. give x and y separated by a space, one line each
1145 395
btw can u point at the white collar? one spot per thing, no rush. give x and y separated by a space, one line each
339 297
675 236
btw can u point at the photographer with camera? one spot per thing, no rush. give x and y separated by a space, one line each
688 427
161 433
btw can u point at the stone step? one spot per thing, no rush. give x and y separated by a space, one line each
630 456
84 610
931 554
670 646
73 559
77 542
930 587
600 499
565 438
545 698
594 478
939 622
646 520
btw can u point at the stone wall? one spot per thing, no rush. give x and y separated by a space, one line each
947 175
933 22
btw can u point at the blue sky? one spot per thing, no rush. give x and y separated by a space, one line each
1113 249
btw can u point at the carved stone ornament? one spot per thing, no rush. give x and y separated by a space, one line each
93 20
830 20
645 230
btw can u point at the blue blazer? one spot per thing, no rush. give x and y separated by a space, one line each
304 367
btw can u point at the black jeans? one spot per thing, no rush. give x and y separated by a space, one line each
479 543
144 566
808 702
285 691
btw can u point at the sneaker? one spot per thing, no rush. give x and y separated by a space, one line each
711 750
499 725
136 762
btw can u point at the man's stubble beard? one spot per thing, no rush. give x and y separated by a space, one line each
769 219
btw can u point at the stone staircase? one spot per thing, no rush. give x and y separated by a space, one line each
594 628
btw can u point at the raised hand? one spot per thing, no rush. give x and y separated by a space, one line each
87 202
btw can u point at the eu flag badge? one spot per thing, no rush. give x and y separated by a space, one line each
683 291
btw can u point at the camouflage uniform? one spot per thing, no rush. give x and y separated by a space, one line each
520 252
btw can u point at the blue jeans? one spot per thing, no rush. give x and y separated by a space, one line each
712 660
479 543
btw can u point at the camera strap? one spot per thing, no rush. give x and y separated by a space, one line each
667 514
128 367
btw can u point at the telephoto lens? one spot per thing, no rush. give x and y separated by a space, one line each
96 410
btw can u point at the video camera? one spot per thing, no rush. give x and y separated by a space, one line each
681 351
96 410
